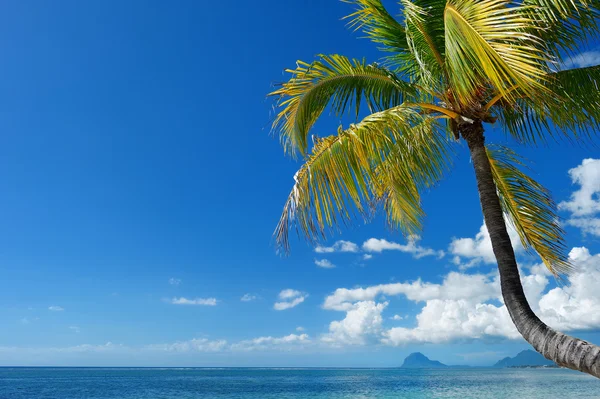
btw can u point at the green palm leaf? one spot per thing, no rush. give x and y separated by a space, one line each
397 184
337 80
379 26
570 109
564 24
351 171
530 209
425 37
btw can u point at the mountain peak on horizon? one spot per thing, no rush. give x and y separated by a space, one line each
527 357
419 360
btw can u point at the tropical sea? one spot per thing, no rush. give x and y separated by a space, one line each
245 383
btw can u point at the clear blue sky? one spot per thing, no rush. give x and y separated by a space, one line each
137 169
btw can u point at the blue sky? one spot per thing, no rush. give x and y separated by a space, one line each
140 189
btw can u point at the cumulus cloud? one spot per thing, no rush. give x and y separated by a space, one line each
575 306
300 329
584 204
412 247
478 250
447 320
248 298
56 309
324 263
582 60
396 317
455 286
468 306
363 320
289 298
174 281
194 301
338 246
367 256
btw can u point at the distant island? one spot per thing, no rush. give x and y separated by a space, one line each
418 360
526 358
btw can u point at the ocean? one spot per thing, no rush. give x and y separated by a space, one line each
254 383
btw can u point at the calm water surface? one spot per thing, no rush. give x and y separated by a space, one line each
192 383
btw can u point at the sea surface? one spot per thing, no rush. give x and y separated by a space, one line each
196 383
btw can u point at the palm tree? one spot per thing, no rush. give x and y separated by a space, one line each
450 67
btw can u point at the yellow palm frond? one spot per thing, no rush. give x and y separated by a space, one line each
349 171
491 42
530 209
398 181
334 80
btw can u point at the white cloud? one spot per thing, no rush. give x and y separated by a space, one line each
449 320
363 320
194 301
195 345
575 306
300 329
587 225
338 246
192 345
411 247
324 263
289 298
479 250
396 317
248 298
174 281
289 294
584 204
288 304
56 309
287 342
455 286
585 201
586 59
75 329
367 256
468 306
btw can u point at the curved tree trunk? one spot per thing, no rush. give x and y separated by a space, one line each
566 351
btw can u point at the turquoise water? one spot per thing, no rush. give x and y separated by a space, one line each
184 383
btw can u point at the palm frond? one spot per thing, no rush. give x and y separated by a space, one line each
570 109
334 80
490 41
404 174
379 26
530 209
564 24
348 173
425 37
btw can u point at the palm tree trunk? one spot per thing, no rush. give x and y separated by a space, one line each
566 351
